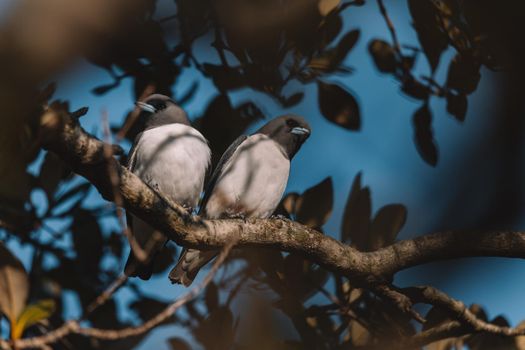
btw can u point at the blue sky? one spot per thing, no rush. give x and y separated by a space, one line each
383 150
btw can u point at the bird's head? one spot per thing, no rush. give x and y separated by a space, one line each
289 131
157 110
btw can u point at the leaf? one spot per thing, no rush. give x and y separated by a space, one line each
339 106
14 285
315 205
415 89
457 106
426 22
360 335
224 78
302 277
103 89
463 74
424 137
356 218
386 225
384 55
178 344
330 60
87 242
188 94
32 314
292 100
327 6
53 170
47 92
211 297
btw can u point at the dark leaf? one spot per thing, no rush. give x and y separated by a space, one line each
178 344
103 89
339 106
217 331
46 93
384 55
314 206
211 297
224 78
386 225
424 136
415 89
457 106
14 285
302 277
164 258
463 75
331 59
287 205
292 100
147 308
356 219
189 94
53 170
79 189
88 243
426 22
79 112
436 316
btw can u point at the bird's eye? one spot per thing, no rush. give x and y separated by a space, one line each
292 123
158 104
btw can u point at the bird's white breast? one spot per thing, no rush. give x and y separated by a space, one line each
252 181
173 159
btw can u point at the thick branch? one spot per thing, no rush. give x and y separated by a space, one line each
85 154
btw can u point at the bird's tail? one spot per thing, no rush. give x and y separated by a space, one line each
135 268
151 241
190 262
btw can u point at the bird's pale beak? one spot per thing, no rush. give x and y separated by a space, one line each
300 131
146 107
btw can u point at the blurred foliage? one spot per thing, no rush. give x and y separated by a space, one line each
272 47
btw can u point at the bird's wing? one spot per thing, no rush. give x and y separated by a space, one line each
130 165
219 168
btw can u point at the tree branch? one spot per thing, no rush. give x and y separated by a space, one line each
73 326
85 154
63 135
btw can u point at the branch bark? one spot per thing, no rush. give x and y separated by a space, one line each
85 154
63 135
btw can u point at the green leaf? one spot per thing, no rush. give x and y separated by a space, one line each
32 314
14 285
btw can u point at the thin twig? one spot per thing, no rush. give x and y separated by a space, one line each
73 326
433 296
390 26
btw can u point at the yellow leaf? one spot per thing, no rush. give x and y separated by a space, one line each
327 6
14 285
32 314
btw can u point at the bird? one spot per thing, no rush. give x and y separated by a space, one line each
172 158
248 182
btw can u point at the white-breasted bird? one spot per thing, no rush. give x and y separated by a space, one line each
249 181
172 158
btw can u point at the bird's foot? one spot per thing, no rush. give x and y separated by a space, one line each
279 217
241 216
188 208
